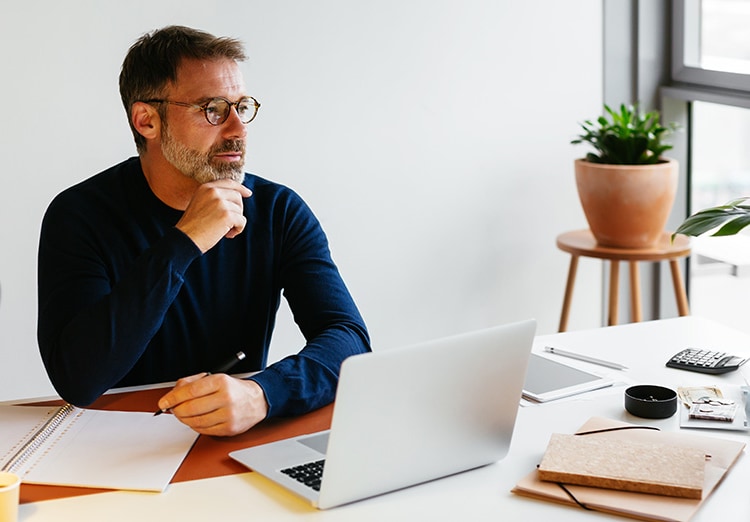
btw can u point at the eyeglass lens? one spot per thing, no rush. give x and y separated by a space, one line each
217 110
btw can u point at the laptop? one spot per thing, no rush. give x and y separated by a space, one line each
405 416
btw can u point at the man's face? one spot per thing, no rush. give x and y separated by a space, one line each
193 146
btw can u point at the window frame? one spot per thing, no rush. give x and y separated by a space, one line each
686 17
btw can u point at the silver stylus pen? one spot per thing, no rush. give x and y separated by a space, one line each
586 358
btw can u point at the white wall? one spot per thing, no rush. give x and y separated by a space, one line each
430 137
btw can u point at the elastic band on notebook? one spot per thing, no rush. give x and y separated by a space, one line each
573 498
604 430
618 429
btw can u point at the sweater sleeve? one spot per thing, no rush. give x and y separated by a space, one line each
92 331
325 313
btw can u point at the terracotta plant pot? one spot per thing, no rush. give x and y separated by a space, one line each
627 206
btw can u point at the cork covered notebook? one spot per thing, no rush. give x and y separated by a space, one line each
661 469
642 506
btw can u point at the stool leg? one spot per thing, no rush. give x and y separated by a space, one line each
636 311
614 280
679 288
568 292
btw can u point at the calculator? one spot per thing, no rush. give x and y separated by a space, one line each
705 361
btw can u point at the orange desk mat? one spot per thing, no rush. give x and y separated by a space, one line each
209 455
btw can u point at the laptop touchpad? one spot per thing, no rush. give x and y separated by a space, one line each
318 442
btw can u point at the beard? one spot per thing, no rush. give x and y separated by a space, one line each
200 165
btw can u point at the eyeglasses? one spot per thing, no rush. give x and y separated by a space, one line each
216 110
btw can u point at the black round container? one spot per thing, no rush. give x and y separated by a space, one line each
651 402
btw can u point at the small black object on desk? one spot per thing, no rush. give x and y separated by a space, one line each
651 402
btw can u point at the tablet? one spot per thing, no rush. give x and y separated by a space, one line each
547 380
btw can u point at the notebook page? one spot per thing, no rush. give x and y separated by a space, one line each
110 449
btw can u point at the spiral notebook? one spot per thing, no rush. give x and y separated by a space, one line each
69 446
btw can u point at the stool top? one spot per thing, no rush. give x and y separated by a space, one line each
582 243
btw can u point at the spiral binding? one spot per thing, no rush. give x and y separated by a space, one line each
39 438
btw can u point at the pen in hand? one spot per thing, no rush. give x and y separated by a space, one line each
221 369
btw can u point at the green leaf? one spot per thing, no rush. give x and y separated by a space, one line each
733 226
625 136
729 219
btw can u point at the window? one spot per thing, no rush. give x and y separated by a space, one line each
711 80
711 43
724 38
719 275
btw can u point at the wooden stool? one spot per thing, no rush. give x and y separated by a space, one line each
582 243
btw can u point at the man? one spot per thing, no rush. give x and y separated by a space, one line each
165 265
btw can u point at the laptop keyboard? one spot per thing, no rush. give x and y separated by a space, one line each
308 474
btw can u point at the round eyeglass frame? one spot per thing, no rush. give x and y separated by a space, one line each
205 106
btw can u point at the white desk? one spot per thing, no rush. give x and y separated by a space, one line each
482 494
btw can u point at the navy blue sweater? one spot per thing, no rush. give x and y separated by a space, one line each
125 298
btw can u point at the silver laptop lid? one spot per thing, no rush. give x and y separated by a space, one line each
409 415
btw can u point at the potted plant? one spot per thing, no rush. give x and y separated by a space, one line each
626 186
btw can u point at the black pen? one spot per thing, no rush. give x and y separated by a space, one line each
221 369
